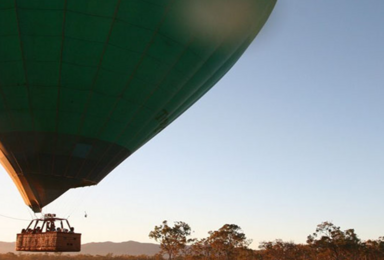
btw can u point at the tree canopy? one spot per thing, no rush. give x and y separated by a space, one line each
172 239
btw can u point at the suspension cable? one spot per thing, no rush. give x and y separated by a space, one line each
4 216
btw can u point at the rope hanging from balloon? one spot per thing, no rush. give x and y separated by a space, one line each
20 219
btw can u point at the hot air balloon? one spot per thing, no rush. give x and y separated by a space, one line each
85 83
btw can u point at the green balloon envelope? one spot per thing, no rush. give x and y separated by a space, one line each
85 83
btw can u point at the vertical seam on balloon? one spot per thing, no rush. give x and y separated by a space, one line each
99 65
155 33
59 85
157 86
26 77
90 93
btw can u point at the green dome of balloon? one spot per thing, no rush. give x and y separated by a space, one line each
85 83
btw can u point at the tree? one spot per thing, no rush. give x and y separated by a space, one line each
373 249
279 249
200 250
329 239
282 250
228 241
172 239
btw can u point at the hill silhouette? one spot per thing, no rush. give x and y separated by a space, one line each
6 247
103 248
123 248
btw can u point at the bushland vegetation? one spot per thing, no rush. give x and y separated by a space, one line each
328 242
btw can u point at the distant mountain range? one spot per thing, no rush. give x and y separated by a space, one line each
123 248
6 247
103 248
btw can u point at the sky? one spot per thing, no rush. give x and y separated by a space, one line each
292 136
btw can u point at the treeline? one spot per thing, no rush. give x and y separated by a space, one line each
60 256
328 242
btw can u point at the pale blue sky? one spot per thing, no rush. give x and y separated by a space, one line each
290 137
